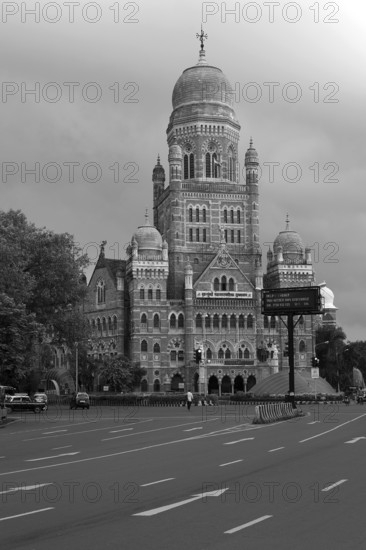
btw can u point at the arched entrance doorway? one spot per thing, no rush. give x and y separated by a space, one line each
156 385
213 385
226 384
238 383
251 382
144 385
176 380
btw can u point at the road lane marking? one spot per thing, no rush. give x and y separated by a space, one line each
332 429
81 432
191 429
154 430
49 457
25 488
63 447
28 513
239 441
155 482
233 462
245 525
314 422
119 453
334 485
161 509
54 432
277 449
355 439
123 430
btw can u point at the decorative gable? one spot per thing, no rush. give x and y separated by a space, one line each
223 278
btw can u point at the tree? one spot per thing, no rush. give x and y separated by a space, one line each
18 329
121 375
331 350
41 287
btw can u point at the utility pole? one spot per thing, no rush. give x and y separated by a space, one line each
76 366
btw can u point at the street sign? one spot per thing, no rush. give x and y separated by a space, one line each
298 301
315 372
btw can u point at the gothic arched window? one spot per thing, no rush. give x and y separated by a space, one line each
232 321
223 283
143 345
198 320
173 321
156 348
156 321
231 284
142 293
181 320
250 321
302 346
241 321
101 292
216 284
216 321
224 321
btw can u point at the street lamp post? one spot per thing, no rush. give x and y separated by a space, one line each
76 366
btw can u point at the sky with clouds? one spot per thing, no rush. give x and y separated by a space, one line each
102 75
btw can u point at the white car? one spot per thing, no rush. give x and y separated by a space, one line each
41 398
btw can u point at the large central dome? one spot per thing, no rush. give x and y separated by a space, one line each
202 84
203 92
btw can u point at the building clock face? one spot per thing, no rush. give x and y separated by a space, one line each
188 148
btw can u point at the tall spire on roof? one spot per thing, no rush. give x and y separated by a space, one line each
147 217
287 223
202 36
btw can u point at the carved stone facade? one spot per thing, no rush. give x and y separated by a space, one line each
193 279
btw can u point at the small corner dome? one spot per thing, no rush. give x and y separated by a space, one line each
251 153
148 239
328 297
291 244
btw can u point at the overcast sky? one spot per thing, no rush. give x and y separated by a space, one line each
300 87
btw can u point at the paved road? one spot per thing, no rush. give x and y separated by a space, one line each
168 478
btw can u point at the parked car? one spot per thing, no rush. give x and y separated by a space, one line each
41 398
81 399
23 403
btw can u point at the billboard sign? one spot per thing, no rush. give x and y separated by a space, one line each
298 301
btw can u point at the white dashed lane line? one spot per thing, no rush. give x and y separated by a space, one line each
239 441
245 525
277 449
50 457
25 488
330 487
28 513
54 432
155 482
233 462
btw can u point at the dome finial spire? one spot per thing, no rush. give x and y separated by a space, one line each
147 217
287 223
202 37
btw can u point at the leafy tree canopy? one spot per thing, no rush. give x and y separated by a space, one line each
121 375
40 290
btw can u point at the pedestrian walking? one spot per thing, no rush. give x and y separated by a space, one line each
189 399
